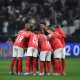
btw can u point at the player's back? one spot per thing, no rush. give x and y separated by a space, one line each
55 42
33 40
20 39
58 35
60 30
62 33
44 43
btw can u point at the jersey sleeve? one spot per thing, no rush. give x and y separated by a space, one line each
62 33
59 36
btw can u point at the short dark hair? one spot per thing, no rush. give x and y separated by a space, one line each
42 22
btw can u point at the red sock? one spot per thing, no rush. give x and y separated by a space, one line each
16 65
56 66
45 66
34 64
28 64
48 66
31 64
60 67
41 66
20 64
37 65
12 64
52 62
63 65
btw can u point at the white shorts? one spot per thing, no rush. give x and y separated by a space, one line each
45 55
57 53
31 51
63 53
17 51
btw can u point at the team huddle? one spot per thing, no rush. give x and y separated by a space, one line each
46 44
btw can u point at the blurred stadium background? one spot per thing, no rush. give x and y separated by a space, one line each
55 12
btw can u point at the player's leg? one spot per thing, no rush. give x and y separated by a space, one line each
16 66
12 65
63 61
57 57
48 59
42 62
20 59
35 53
28 60
31 65
13 59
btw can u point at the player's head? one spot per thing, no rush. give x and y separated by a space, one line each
27 24
33 24
43 25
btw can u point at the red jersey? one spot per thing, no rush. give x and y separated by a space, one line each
21 37
55 42
61 33
33 40
44 43
60 30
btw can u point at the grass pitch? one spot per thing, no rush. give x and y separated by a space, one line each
72 70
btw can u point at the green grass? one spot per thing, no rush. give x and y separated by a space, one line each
72 70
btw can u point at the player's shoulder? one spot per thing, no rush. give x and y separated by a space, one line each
21 31
39 35
43 35
31 33
60 29
56 33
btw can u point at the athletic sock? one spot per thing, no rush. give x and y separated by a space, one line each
56 66
37 65
16 66
34 64
45 66
41 66
52 62
48 66
63 65
31 64
20 64
60 67
12 64
28 64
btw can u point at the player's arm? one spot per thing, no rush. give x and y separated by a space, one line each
62 33
57 34
51 36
